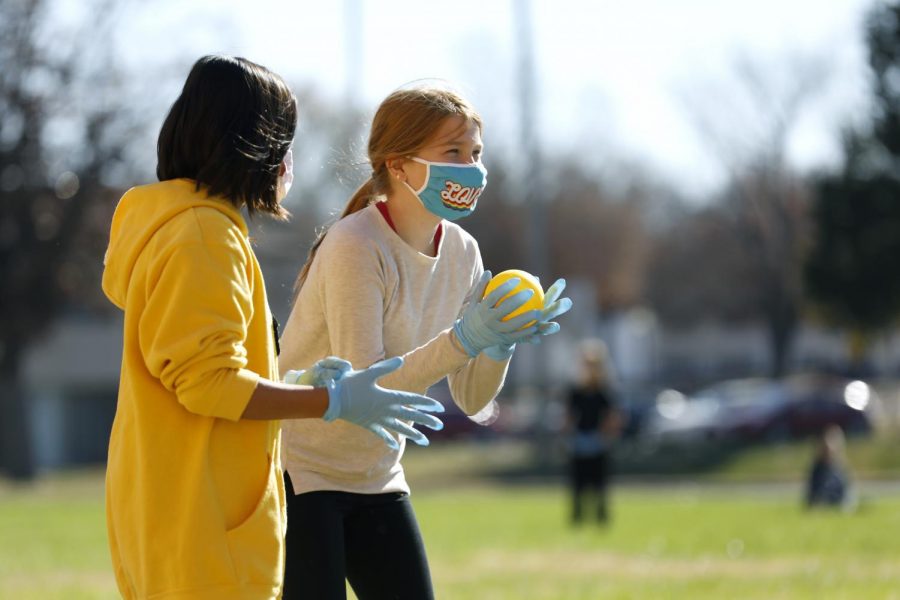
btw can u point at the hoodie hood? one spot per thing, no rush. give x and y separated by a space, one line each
141 212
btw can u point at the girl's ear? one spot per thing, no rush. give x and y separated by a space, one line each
395 168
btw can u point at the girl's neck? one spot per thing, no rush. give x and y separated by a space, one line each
414 224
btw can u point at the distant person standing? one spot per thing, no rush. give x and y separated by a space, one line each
828 483
595 423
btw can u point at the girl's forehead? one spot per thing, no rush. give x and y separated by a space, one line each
456 128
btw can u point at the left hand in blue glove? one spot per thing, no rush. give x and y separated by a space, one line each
482 323
554 306
320 374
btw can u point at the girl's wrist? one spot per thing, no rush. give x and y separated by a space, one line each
334 401
456 342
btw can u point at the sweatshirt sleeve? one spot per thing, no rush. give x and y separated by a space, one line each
427 364
480 380
193 328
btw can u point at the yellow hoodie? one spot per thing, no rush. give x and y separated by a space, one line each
194 496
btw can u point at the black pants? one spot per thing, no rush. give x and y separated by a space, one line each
372 541
590 474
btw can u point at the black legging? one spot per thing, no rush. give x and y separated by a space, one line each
590 473
372 540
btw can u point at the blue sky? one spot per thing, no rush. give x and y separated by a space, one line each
614 79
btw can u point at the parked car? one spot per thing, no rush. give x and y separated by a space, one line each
807 406
700 417
751 410
638 404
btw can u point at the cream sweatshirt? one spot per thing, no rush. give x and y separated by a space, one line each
370 296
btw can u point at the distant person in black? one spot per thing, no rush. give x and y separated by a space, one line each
827 485
594 424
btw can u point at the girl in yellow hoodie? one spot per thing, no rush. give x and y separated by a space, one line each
194 494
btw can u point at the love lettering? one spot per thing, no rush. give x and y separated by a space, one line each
457 196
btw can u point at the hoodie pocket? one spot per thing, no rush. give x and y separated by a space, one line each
257 544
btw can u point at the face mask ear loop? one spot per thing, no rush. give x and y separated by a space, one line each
427 174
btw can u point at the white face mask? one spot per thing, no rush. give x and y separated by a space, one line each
285 181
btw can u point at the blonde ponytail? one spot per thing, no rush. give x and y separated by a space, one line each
360 199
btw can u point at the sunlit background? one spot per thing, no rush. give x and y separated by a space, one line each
717 181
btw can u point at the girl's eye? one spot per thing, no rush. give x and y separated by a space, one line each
453 151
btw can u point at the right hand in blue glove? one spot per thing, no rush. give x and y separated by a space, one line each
482 326
355 397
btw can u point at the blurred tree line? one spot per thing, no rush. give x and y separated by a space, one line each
853 272
66 128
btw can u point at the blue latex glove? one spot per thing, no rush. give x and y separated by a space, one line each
355 397
327 369
482 326
500 352
554 306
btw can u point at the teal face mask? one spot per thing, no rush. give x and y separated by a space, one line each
450 190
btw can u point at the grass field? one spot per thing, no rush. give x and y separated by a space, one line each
489 541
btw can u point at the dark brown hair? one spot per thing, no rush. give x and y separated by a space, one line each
229 131
404 123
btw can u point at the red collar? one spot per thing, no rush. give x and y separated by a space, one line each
383 209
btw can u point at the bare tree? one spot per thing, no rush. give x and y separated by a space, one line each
500 222
600 235
699 271
63 130
748 130
593 234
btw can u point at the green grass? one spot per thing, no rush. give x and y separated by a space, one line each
875 457
662 544
53 540
489 541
